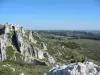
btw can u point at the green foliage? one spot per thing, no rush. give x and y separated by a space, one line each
5 71
71 45
63 49
9 52
76 59
10 56
27 69
75 34
19 57
53 37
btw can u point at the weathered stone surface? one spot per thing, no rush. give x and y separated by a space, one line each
86 68
24 43
22 73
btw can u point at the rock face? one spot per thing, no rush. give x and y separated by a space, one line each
86 68
19 44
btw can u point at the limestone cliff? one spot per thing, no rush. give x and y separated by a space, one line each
19 44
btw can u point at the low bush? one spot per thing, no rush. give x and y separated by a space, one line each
5 71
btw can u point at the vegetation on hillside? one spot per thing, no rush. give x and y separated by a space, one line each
69 49
65 49
27 69
9 52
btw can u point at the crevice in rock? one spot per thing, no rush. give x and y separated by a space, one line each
33 53
2 30
0 50
38 62
0 47
14 40
0 54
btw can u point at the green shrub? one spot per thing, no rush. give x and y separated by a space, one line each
71 45
9 52
5 71
80 59
76 59
19 57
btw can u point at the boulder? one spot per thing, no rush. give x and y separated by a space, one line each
86 68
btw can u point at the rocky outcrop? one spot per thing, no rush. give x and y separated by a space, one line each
22 73
24 45
86 68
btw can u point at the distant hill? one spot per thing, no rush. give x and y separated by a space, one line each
94 35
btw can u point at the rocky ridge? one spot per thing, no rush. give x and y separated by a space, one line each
18 44
86 68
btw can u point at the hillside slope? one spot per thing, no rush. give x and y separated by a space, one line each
67 49
29 52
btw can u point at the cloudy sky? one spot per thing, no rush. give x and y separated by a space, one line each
52 14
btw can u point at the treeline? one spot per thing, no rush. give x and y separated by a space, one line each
75 34
87 36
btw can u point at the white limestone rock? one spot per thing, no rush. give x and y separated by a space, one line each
41 54
50 58
22 43
9 66
22 73
13 69
3 48
44 46
86 68
31 38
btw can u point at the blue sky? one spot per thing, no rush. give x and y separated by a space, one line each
52 14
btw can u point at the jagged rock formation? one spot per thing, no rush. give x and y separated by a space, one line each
19 44
86 68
